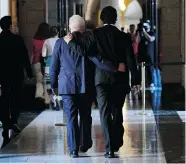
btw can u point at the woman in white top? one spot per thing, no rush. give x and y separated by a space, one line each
47 51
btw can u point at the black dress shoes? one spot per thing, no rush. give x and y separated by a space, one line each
110 155
47 106
74 154
116 149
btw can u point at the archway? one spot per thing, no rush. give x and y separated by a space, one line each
133 14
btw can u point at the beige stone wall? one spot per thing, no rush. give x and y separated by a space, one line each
91 9
170 30
32 13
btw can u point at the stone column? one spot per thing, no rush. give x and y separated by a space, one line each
183 40
91 10
13 13
170 32
31 14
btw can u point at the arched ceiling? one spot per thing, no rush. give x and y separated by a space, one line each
133 10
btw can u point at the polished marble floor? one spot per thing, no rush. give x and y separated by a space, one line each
182 115
146 139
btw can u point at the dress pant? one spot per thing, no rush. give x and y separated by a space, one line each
149 69
10 103
110 99
41 90
149 74
148 58
78 134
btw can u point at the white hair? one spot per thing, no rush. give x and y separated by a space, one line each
76 23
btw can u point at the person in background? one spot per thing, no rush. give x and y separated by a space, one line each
41 95
14 60
133 36
145 40
47 51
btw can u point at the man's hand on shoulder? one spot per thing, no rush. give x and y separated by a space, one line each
68 38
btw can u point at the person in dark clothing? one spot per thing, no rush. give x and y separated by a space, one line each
75 85
13 60
110 43
41 95
145 39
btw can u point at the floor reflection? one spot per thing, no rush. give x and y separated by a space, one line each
156 98
42 142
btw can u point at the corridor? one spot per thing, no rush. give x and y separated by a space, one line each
157 137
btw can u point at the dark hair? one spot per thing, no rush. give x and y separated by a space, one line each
122 28
109 15
132 25
6 22
43 32
53 31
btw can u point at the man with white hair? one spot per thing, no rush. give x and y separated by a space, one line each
75 72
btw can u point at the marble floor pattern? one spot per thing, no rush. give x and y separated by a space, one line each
42 142
182 115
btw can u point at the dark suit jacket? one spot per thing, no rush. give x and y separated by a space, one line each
111 44
13 59
74 69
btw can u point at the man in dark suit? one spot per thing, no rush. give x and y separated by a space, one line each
13 60
110 43
75 72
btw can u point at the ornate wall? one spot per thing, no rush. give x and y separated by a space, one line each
170 30
31 14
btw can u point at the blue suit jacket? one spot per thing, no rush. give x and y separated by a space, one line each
73 69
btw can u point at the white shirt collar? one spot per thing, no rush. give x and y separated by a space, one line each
109 24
